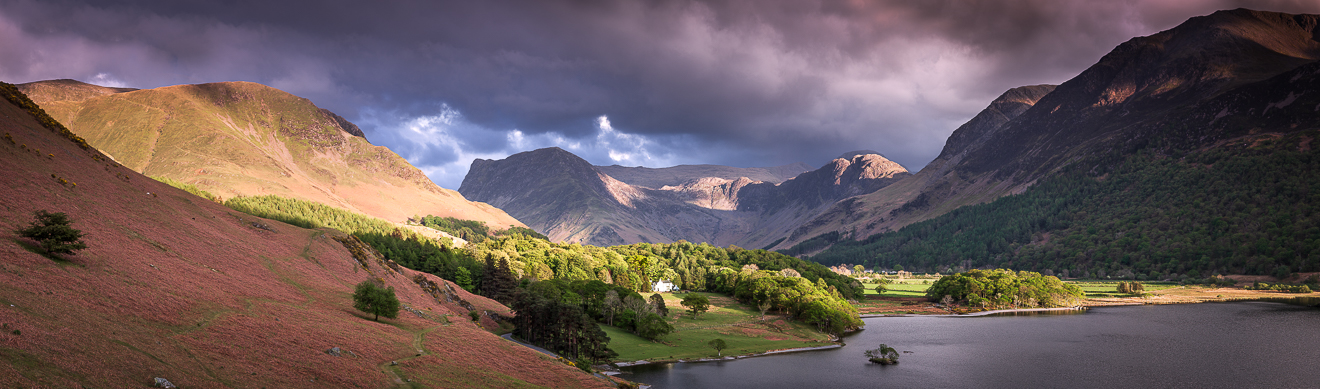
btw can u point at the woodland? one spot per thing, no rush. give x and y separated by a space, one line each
1249 209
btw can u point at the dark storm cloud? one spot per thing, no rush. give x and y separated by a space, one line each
739 82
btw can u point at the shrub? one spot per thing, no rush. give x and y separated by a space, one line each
376 300
652 327
883 355
52 231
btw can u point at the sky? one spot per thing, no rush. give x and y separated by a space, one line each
656 83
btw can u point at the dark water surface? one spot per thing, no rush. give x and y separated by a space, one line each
1213 345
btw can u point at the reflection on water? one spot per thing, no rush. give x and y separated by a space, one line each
1313 302
1240 344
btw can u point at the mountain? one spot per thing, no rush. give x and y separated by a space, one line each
929 192
566 198
245 139
656 178
1118 105
175 286
1228 97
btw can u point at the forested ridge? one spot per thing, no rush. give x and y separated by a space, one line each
1244 208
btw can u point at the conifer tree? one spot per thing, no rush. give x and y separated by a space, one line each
659 303
53 232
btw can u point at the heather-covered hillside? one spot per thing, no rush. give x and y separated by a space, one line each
175 286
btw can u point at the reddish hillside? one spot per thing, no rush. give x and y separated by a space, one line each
178 287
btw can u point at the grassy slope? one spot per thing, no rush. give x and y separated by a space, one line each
237 138
176 286
740 326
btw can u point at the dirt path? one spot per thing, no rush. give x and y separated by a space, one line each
390 367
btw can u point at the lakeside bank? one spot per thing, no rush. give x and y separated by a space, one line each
731 357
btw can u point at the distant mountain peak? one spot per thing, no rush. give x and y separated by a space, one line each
566 198
656 178
849 155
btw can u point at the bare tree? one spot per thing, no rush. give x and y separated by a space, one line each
612 305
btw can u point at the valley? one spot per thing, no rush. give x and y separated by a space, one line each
229 228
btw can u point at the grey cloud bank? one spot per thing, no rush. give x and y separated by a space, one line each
655 83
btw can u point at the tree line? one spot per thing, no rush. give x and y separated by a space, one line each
1001 288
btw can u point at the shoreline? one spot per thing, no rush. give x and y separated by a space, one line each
1086 305
1104 302
731 357
976 314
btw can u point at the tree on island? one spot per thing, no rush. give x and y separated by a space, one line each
52 231
696 303
718 345
884 355
376 300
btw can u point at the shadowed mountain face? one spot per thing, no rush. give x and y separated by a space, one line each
568 199
245 139
678 175
1187 88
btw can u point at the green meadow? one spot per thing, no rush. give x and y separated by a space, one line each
741 327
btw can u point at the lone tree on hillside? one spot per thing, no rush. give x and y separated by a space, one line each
376 300
52 231
718 345
696 303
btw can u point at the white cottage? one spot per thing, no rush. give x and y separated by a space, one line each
662 286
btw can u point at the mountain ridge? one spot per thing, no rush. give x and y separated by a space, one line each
656 178
245 139
1158 89
568 199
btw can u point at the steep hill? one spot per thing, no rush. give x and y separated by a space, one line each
1104 166
1173 91
175 286
568 199
245 139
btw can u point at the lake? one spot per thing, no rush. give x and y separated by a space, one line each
1212 345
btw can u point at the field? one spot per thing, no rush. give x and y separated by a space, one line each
1095 288
912 287
741 327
